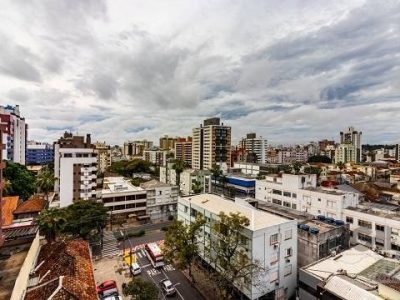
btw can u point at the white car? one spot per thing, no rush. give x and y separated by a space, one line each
167 287
113 297
135 269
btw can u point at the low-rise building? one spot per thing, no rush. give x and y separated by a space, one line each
357 273
162 199
270 240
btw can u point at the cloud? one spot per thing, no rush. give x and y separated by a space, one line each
291 71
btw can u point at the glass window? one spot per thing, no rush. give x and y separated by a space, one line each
286 204
288 252
274 239
286 194
349 220
365 224
277 192
276 201
294 195
380 227
294 206
364 237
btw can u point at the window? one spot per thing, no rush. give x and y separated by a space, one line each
331 204
380 227
288 234
274 239
288 252
276 201
286 204
319 199
185 208
277 192
288 270
349 220
379 242
365 224
273 276
286 194
294 195
294 206
364 237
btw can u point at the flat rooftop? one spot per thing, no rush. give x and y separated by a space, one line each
393 215
358 260
115 185
322 226
216 204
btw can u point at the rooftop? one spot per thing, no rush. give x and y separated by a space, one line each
113 185
216 204
8 205
36 203
153 184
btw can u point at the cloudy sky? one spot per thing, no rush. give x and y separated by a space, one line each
292 71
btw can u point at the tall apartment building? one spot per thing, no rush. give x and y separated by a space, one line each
75 169
2 165
397 152
136 148
38 153
211 145
14 134
255 148
353 137
155 156
167 143
183 149
346 153
103 152
270 240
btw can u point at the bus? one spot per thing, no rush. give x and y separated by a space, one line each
154 254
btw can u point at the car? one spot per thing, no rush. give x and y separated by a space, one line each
106 285
112 297
135 269
110 294
167 287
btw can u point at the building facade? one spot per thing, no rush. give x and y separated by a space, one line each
39 153
270 240
353 137
183 150
167 143
211 145
75 169
103 152
136 148
15 133
346 153
2 166
155 156
255 148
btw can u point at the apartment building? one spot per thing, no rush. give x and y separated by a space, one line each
2 166
15 133
302 193
291 155
38 153
183 150
156 156
270 240
346 153
352 137
121 197
136 148
211 145
167 143
75 169
255 148
162 199
103 152
357 273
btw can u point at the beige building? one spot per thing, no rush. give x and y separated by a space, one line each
211 145
136 148
183 149
346 153
167 143
103 156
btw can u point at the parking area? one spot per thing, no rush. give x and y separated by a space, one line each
113 268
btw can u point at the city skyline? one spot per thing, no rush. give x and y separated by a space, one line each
291 72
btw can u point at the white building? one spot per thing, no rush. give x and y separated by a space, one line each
352 137
301 192
103 156
14 134
346 153
255 147
162 199
155 156
75 169
121 197
271 241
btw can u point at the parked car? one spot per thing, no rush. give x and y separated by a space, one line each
109 294
167 287
135 269
106 285
112 297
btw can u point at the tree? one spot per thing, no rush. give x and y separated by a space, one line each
296 166
228 254
137 181
319 159
22 181
181 243
140 289
84 217
51 223
128 167
216 173
340 165
197 187
179 166
45 182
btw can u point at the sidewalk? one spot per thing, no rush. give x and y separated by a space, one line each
204 283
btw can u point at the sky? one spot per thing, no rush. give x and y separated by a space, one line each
291 71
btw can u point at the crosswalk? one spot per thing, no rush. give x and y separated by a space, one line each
110 245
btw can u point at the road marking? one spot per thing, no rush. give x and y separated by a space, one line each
143 253
139 255
145 266
168 268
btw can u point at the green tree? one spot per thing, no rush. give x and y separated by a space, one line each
197 187
228 254
140 289
137 181
51 223
45 181
85 218
296 166
179 166
312 170
181 243
319 159
216 173
128 167
22 181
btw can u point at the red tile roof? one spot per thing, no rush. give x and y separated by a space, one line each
36 203
65 266
8 205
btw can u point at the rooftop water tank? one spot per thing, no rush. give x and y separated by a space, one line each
304 227
321 217
314 230
339 222
330 220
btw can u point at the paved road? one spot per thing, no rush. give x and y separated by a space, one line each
149 237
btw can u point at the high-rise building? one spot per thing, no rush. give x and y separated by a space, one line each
211 145
2 165
103 156
255 148
75 169
39 153
136 148
397 152
346 153
14 134
183 149
155 156
167 143
353 137
323 144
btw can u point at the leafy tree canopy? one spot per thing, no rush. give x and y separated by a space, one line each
140 289
21 181
128 167
319 159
